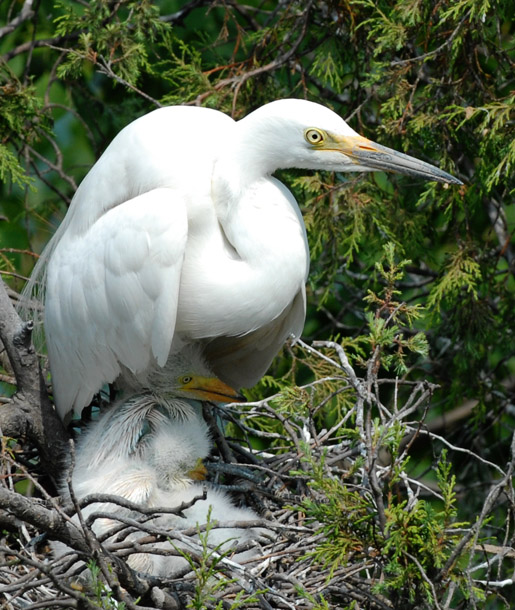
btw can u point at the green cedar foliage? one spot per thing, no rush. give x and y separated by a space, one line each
413 277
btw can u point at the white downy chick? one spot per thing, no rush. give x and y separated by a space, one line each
147 450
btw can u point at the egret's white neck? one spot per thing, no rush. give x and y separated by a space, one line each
251 153
232 176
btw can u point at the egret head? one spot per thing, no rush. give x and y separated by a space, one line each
186 375
298 133
199 387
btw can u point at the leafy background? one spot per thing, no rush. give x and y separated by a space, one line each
433 79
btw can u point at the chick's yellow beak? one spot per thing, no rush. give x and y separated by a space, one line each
370 155
211 388
199 473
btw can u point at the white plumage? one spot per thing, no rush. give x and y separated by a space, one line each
179 233
147 450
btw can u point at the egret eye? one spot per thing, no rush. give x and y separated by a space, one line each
186 379
314 136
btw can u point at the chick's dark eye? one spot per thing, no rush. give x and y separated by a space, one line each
186 379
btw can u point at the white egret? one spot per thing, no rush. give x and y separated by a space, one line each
179 233
147 450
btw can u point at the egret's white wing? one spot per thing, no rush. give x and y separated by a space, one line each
112 295
170 147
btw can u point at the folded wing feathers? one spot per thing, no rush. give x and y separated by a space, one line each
114 301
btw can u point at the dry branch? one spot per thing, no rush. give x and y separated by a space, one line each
29 414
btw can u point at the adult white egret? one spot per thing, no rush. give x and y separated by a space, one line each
180 233
147 449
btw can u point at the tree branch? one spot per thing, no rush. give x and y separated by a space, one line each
26 13
29 414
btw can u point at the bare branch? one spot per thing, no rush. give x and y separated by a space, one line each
26 13
30 413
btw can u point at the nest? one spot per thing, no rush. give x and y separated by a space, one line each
345 524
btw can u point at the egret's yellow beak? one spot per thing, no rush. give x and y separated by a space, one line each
198 473
211 388
368 154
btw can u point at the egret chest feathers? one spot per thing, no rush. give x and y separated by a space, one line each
254 279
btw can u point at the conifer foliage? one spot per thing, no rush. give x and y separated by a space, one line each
380 449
